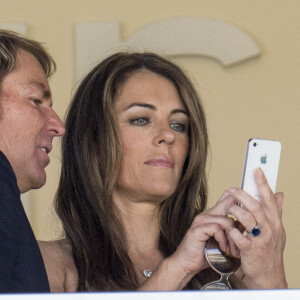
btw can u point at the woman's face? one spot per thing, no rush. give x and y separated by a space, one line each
153 128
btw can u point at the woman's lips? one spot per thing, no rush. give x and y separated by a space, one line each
161 161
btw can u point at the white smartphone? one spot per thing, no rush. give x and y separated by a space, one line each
264 154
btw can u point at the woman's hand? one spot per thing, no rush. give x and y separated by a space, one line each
189 258
261 256
178 269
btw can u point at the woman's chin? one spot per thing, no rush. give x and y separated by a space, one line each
159 195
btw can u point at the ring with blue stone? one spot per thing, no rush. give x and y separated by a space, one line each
255 231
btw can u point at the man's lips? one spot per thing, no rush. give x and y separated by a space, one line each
46 159
46 149
161 161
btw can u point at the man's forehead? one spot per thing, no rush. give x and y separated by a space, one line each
27 61
28 76
32 73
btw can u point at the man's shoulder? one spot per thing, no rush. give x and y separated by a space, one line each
10 194
4 160
6 172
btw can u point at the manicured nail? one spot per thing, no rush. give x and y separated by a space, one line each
232 189
258 171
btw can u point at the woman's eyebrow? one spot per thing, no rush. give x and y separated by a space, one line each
150 106
138 104
179 111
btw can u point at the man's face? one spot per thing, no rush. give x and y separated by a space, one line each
27 121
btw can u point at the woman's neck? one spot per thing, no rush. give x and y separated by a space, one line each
141 224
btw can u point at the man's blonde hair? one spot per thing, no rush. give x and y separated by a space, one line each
11 42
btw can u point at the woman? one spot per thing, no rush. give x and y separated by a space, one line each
133 189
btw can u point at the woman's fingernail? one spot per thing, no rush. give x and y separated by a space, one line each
258 171
232 189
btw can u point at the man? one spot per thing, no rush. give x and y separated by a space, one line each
27 126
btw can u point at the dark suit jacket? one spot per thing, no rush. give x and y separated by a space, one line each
22 268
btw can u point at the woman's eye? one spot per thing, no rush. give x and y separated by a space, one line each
139 121
177 127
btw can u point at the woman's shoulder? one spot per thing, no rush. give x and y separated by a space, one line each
60 267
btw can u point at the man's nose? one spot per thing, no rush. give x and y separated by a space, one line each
55 124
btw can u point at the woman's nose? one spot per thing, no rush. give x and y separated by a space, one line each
165 135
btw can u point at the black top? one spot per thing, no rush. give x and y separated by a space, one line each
22 268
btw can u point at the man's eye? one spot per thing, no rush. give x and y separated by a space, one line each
36 102
139 121
177 127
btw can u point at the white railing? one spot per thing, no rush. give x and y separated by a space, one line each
183 295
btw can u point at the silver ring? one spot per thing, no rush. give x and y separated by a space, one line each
255 231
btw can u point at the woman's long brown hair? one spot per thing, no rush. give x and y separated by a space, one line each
91 159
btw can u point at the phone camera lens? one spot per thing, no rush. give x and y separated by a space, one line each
254 144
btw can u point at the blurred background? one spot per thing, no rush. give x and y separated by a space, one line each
258 98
